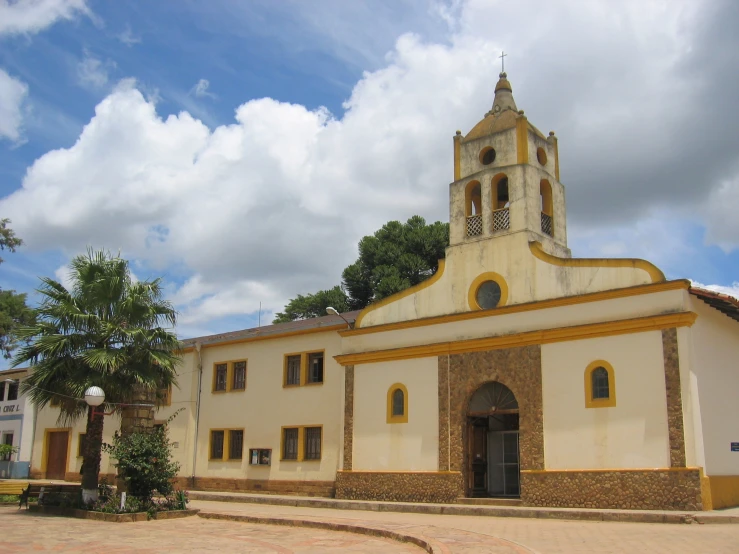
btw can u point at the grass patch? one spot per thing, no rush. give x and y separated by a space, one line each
9 498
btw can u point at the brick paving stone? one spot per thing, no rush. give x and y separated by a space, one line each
476 534
26 532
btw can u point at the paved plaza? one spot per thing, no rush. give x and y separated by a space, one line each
25 532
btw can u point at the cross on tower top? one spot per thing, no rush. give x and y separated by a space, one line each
502 61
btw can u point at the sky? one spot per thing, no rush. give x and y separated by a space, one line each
239 150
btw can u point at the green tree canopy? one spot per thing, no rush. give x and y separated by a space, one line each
14 311
397 256
105 331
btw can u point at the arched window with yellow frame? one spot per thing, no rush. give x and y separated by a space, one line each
397 404
600 385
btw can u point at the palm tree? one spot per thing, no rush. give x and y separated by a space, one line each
105 330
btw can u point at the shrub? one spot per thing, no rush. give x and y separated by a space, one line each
144 462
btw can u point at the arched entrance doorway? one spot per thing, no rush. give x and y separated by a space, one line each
492 446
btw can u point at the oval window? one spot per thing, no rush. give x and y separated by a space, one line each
541 155
487 156
488 295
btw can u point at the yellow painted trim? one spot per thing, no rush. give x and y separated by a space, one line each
303 368
469 201
395 418
556 157
544 336
654 272
45 455
231 374
226 445
529 306
541 153
609 402
724 491
545 189
213 377
301 442
402 294
619 470
457 157
479 280
522 139
270 337
494 202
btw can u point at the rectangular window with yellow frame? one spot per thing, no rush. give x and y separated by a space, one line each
302 443
229 376
226 444
303 368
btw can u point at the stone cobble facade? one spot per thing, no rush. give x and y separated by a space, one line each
348 415
674 398
519 369
442 487
660 489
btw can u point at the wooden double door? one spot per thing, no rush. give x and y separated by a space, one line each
57 455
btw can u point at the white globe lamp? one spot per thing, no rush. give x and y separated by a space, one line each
94 396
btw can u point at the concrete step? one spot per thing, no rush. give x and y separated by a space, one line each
490 501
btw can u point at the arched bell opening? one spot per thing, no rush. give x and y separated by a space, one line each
473 208
547 210
501 202
493 459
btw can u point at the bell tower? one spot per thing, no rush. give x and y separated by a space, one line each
506 180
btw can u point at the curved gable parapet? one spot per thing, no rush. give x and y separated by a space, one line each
655 274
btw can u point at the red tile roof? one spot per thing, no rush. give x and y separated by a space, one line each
722 302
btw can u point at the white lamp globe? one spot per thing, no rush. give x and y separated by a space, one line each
94 396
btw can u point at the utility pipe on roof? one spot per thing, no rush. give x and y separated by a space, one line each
197 413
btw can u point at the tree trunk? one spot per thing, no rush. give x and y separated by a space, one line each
91 454
136 419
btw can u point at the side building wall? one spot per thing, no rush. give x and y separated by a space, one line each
714 379
263 410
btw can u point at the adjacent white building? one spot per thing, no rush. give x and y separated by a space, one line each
16 425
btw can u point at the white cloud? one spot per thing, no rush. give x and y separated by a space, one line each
12 95
732 290
273 204
200 89
93 72
127 37
32 16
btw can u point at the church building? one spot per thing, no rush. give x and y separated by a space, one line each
516 371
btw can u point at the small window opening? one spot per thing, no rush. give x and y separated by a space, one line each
541 156
502 200
487 156
473 200
599 377
315 367
398 403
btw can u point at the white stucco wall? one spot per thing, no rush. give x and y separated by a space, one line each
496 323
266 406
714 344
633 434
411 446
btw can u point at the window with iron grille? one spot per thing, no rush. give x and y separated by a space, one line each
216 445
221 375
315 367
235 445
2 391
600 383
239 377
293 370
290 444
398 402
312 443
13 390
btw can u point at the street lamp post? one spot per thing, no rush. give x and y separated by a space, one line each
94 397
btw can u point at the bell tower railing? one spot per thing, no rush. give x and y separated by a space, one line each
501 219
474 225
546 224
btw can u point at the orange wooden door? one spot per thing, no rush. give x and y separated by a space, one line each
56 462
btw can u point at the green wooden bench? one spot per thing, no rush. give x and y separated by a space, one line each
47 491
